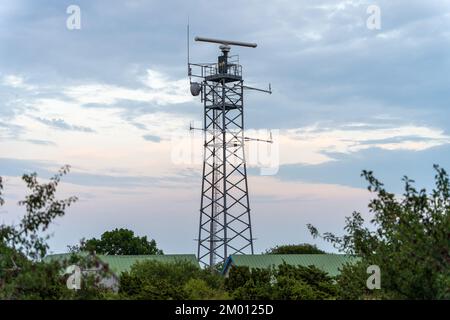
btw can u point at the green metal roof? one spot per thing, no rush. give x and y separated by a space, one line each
330 263
123 263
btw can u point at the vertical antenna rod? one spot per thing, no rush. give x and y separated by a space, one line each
188 45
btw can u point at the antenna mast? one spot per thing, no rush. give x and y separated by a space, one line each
225 224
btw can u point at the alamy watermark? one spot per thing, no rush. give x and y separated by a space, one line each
74 280
374 20
189 149
374 280
73 21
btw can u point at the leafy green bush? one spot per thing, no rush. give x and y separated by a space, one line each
154 280
198 289
285 282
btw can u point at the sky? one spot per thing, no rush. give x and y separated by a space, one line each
112 100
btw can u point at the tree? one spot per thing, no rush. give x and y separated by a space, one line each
120 242
304 248
409 239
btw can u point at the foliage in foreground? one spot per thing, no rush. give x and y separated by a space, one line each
23 274
154 280
286 282
409 239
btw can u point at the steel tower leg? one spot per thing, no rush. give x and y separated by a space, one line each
225 225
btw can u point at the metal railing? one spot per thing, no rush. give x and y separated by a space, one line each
212 69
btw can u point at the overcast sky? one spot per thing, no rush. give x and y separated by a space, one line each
108 99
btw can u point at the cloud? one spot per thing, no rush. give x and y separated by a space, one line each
13 131
152 138
62 125
337 6
41 142
9 130
17 82
158 89
388 165
120 132
15 167
118 145
315 144
274 189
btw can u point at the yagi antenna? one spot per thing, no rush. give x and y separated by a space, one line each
227 42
